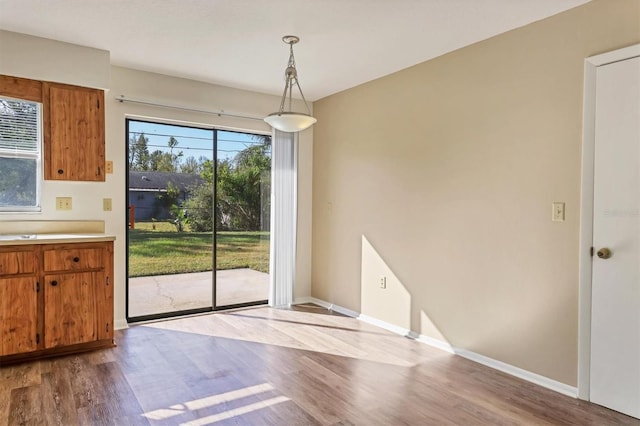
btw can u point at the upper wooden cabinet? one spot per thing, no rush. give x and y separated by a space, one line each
73 126
21 88
74 136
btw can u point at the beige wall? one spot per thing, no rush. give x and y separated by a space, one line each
39 58
87 67
442 176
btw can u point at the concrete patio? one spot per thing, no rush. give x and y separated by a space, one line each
179 292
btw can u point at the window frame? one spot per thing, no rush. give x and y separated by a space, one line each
37 156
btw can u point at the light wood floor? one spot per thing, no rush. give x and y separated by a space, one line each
262 366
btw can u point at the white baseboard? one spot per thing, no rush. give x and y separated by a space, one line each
519 372
120 324
445 346
383 324
436 343
329 306
303 300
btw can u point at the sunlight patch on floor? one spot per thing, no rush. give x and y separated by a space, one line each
236 412
213 400
310 331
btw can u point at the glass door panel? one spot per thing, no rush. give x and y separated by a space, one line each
242 214
170 236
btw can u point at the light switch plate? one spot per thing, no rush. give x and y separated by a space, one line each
106 204
63 203
557 214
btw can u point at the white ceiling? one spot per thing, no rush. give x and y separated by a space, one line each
237 43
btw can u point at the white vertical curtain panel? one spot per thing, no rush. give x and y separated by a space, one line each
284 209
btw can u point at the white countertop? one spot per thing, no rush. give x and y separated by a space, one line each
24 239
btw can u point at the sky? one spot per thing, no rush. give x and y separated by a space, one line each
191 141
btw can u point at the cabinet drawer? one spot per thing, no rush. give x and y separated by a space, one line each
17 262
73 258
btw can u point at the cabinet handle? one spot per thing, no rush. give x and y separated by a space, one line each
76 259
60 171
54 283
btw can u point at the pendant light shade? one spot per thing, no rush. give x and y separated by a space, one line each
287 120
290 121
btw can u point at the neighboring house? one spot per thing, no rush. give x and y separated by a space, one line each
147 189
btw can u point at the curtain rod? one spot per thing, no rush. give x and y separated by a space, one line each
221 113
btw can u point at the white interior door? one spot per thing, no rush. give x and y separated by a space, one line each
615 315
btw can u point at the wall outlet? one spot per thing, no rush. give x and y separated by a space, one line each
383 282
108 166
106 204
63 203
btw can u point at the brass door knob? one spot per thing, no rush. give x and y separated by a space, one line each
604 253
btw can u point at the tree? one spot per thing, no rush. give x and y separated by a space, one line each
174 158
200 202
160 161
179 217
18 186
139 153
198 208
208 172
190 165
132 151
165 200
243 188
173 142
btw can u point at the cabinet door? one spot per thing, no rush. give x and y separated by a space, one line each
18 315
70 308
74 133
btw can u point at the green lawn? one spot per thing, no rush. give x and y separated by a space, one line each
162 250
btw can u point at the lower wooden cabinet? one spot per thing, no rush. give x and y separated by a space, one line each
18 315
70 309
59 301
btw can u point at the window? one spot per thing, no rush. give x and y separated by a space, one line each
20 155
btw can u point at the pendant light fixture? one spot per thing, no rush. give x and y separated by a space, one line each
289 121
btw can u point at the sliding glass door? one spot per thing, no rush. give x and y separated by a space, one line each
198 214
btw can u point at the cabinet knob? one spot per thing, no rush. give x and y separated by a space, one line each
76 259
60 171
54 283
